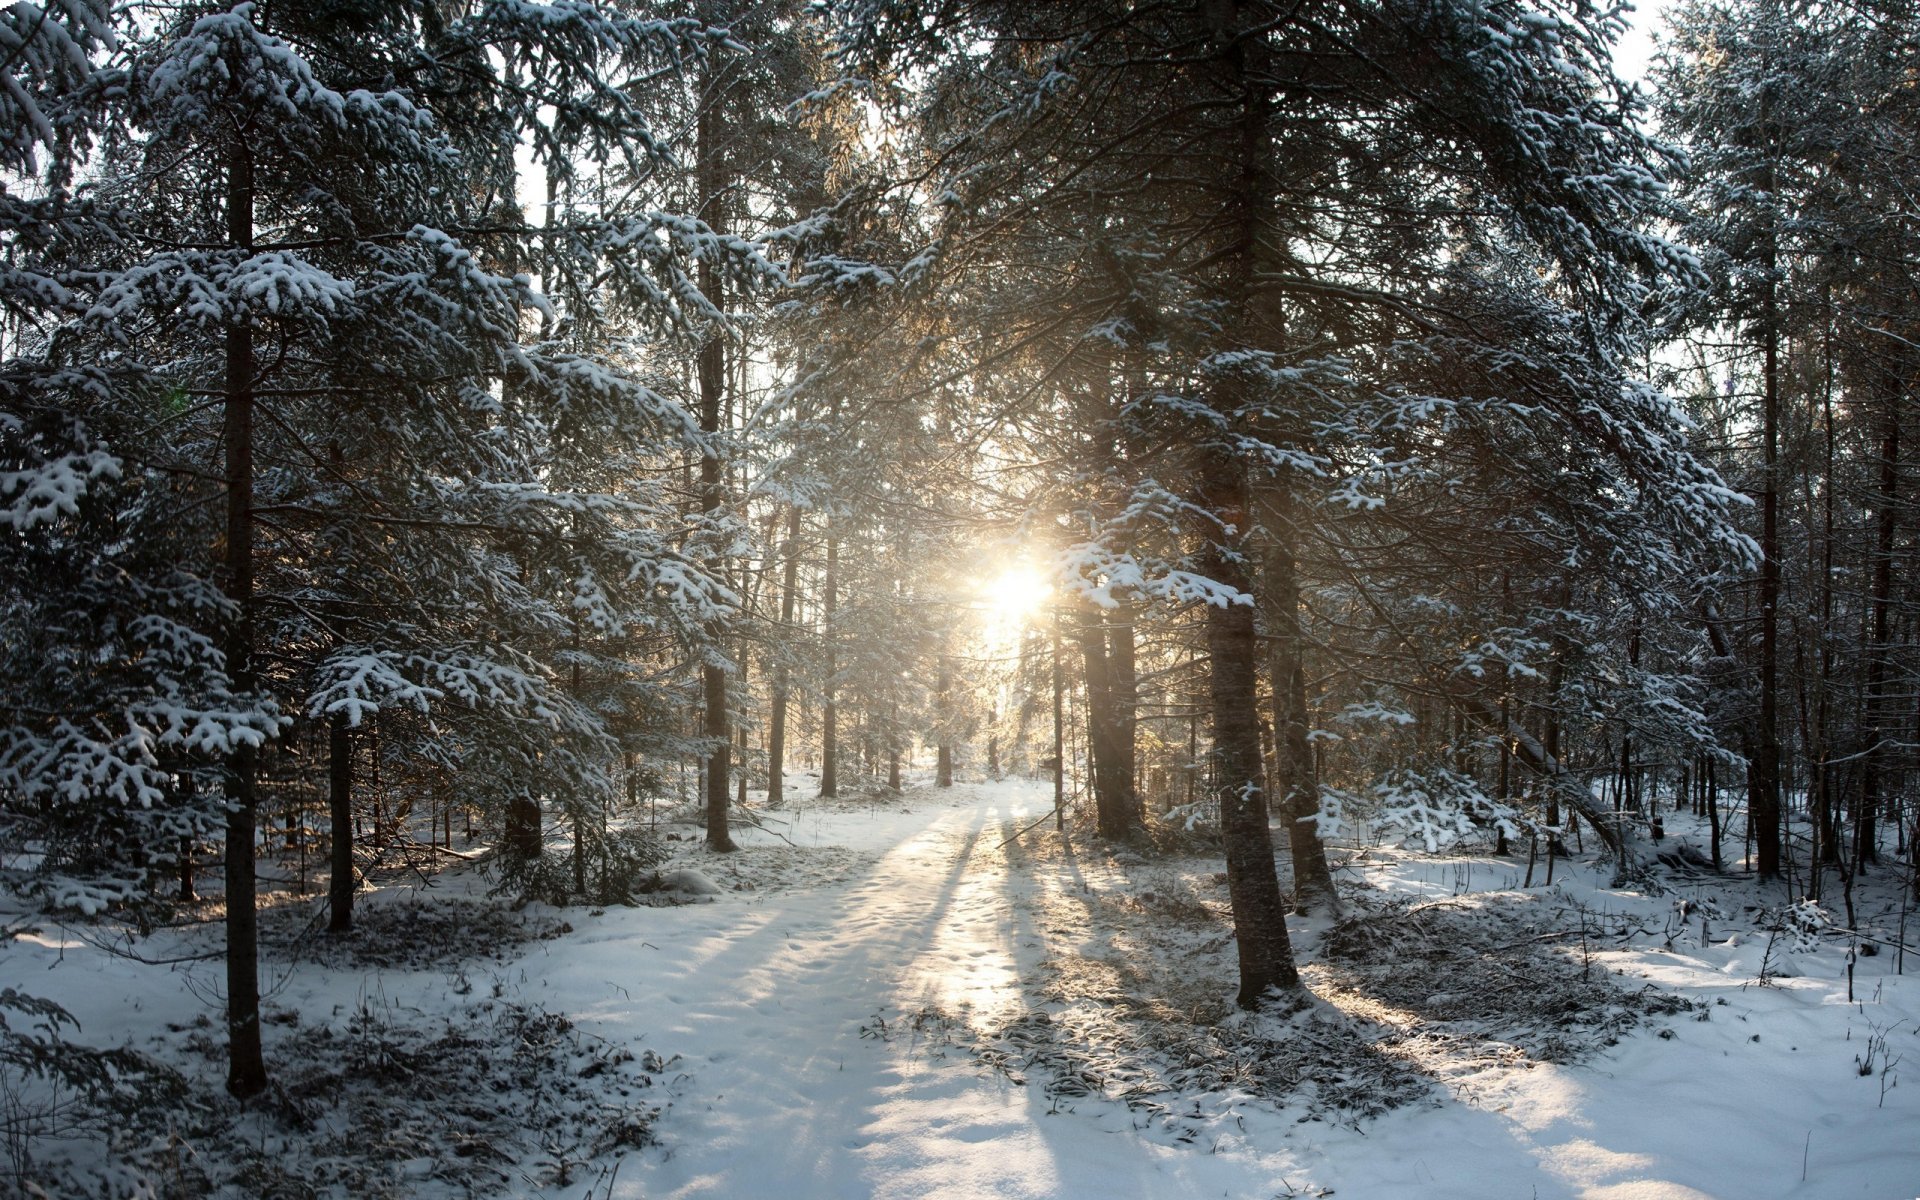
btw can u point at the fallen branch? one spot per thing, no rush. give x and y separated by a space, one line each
1045 817
747 815
474 856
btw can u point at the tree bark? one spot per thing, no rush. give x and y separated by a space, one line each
1123 681
829 714
340 811
1253 883
522 836
1298 781
1247 195
943 763
246 1066
713 383
1763 771
1106 652
782 672
188 788
1059 738
1881 707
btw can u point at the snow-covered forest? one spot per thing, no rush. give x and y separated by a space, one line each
948 598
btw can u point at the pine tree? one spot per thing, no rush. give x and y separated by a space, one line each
1240 135
1782 106
416 518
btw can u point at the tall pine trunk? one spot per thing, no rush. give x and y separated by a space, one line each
340 811
246 1067
1299 783
1763 775
1111 749
1123 684
1824 777
943 762
829 713
1882 708
713 384
782 672
1253 883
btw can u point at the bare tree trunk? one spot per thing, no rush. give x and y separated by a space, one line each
943 764
1824 777
1713 811
1112 806
713 379
1059 738
246 1067
1880 706
340 811
1253 885
777 718
187 895
829 715
1504 781
1298 781
1123 682
1763 775
893 748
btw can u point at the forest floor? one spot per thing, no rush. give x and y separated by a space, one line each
887 998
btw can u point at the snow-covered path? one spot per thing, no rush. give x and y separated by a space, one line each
790 1086
793 1094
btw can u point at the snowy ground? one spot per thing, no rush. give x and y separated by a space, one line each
856 1015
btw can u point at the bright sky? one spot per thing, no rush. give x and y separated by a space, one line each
1635 51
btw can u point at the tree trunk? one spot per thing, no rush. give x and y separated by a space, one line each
1298 782
1713 811
340 811
993 743
1881 706
829 715
713 382
943 763
246 1067
522 836
777 717
1123 682
1247 241
1763 774
1112 807
188 788
1253 884
1059 738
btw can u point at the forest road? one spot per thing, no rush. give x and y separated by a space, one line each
801 1074
795 1067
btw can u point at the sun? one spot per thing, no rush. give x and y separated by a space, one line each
1014 595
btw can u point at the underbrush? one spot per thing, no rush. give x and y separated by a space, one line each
1502 976
1130 1003
415 933
489 1100
617 868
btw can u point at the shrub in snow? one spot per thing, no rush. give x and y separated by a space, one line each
614 868
62 1097
388 1104
1436 808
